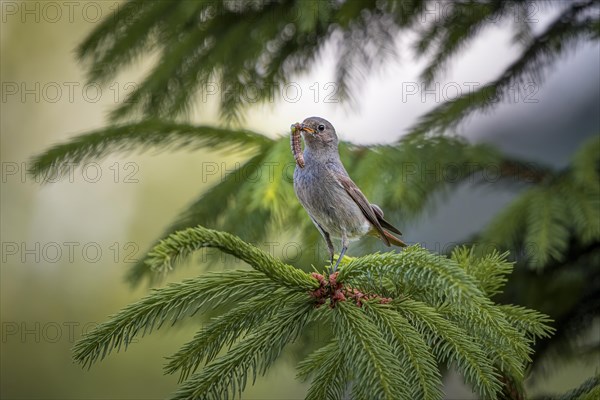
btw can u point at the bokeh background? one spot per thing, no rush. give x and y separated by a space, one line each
66 246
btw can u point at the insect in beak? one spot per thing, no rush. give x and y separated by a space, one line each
296 145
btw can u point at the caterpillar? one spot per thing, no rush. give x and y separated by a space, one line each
295 141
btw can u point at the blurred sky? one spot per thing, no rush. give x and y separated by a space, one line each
48 299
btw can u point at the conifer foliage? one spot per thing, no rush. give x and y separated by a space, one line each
262 45
257 198
395 318
546 218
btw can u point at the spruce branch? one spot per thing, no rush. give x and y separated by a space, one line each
329 370
224 331
315 360
454 291
547 226
119 39
586 163
182 244
411 349
413 169
468 356
462 24
394 317
505 344
490 270
582 204
167 304
248 56
381 374
547 219
412 268
534 324
571 27
139 137
227 375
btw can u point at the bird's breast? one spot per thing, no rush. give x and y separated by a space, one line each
328 203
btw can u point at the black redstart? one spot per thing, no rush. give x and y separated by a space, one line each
334 203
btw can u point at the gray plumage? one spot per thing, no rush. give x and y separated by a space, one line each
334 203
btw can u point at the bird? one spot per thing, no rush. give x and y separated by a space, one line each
334 203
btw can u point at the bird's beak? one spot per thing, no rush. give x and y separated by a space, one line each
307 129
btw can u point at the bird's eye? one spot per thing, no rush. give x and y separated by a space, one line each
321 127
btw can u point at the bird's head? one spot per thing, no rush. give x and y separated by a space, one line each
318 133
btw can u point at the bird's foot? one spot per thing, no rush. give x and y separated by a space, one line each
333 267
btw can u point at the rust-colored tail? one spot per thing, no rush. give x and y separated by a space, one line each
394 240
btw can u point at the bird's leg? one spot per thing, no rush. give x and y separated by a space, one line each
330 247
344 248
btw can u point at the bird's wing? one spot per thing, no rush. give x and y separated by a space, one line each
385 224
364 205
324 233
389 226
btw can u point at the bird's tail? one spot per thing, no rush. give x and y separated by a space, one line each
394 240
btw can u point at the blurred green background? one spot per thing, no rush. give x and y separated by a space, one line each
48 302
54 283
